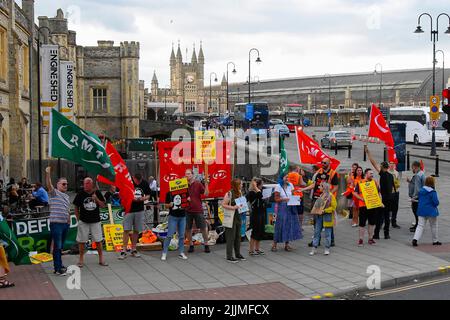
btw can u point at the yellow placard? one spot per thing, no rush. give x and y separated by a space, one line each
178 184
370 194
114 237
205 145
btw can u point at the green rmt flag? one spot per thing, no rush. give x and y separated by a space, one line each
284 164
68 141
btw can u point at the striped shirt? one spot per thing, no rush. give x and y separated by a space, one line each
59 206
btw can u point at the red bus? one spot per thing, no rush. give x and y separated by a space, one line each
293 115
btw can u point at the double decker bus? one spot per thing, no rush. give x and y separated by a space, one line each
252 118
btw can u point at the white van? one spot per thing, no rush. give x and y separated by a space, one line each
418 124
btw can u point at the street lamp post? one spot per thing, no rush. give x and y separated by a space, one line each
234 72
210 88
443 70
258 60
443 80
329 100
165 104
434 37
381 81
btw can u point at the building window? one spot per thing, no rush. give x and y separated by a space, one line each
26 66
3 53
99 99
190 106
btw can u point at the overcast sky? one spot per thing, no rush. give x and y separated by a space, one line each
295 37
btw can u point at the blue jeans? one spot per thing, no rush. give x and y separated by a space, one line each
318 230
58 233
175 224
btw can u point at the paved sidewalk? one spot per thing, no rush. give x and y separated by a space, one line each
285 275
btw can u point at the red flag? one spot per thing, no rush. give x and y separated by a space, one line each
175 157
310 152
378 127
392 156
123 178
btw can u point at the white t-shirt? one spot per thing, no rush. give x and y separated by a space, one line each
153 186
282 192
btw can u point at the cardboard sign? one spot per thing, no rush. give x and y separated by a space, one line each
205 145
370 194
178 184
179 191
114 237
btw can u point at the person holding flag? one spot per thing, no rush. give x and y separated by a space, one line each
287 226
388 190
59 202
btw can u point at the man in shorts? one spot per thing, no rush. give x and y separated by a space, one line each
194 212
134 220
87 204
365 214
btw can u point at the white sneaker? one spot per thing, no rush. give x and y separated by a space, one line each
164 257
182 256
313 252
354 225
326 252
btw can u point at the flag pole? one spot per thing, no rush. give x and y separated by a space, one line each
298 146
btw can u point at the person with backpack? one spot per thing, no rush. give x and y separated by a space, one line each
257 216
328 175
427 211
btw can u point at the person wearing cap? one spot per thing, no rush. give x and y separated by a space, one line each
387 190
396 200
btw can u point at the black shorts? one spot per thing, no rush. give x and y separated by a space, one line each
200 221
370 215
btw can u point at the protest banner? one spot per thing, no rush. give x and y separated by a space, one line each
370 194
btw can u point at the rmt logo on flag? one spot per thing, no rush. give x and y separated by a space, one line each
220 175
170 177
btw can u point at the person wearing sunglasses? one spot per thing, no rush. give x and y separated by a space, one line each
59 218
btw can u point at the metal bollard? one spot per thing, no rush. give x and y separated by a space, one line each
436 169
350 152
335 148
385 154
408 162
365 155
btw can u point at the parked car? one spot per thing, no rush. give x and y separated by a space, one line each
273 122
341 138
281 130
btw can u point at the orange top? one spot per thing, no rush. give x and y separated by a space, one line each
361 203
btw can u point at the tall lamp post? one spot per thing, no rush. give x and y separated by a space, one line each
381 81
329 100
234 72
210 88
165 103
443 70
258 60
434 37
443 80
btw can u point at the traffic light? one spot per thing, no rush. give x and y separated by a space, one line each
446 109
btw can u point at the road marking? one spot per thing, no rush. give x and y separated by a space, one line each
410 287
